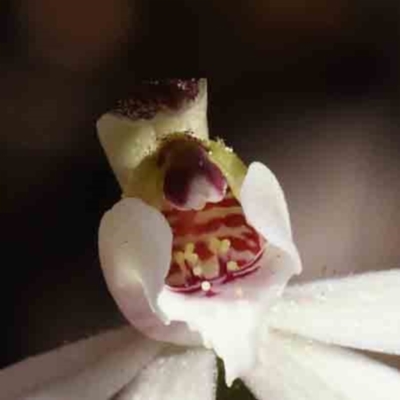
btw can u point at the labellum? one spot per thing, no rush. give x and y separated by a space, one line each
212 242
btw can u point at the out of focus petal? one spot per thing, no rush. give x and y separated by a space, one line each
189 375
36 371
360 311
292 369
94 378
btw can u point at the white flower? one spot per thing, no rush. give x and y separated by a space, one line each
360 311
203 258
174 260
136 244
138 250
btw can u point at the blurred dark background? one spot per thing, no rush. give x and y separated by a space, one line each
308 87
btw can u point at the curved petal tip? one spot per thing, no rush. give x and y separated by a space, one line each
265 207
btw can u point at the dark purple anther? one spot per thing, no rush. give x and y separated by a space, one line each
149 97
191 179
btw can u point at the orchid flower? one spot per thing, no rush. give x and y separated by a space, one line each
200 246
197 254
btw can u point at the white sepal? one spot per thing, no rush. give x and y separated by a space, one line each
103 378
174 375
39 370
291 368
360 311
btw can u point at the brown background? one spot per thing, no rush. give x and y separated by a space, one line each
311 89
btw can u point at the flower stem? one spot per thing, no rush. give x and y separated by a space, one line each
238 390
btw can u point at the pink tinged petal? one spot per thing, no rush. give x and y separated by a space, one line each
135 243
359 311
294 369
39 370
103 379
189 375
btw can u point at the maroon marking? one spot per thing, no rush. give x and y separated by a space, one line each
185 162
227 202
247 242
202 250
147 98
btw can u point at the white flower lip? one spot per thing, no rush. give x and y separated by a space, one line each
135 249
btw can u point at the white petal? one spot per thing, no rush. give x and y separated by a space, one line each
293 369
359 311
189 375
127 141
265 208
264 203
135 243
39 374
104 378
36 371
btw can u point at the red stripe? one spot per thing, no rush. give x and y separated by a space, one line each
186 219
243 245
234 220
251 235
203 251
230 221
